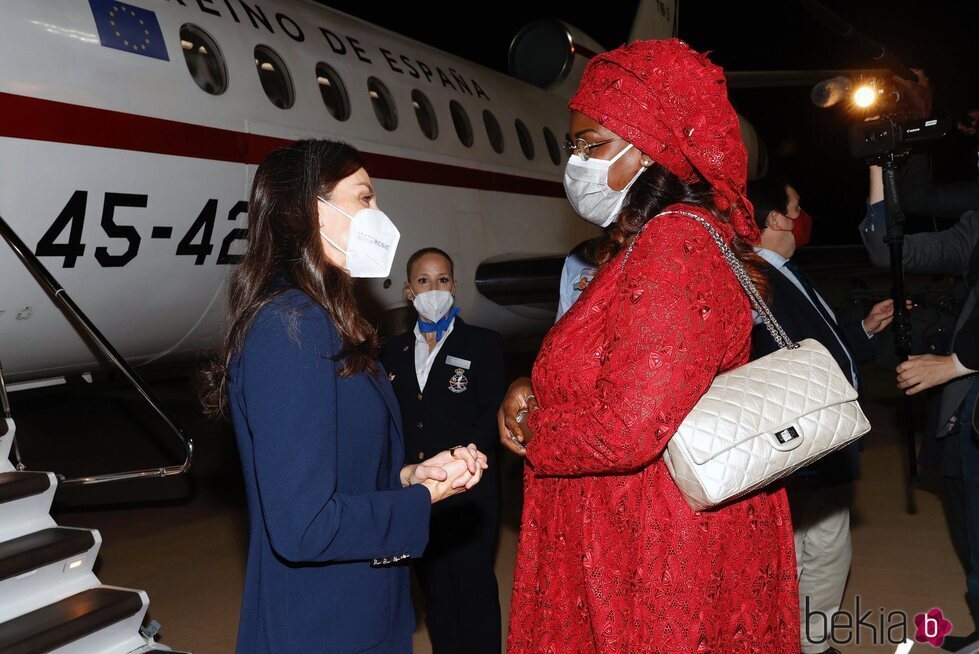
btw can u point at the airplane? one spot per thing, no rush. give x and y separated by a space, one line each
130 136
132 131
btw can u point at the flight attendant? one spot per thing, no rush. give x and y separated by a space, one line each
332 511
448 378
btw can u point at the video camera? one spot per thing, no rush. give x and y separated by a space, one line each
898 103
876 138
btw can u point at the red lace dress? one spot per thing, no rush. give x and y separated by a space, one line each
611 558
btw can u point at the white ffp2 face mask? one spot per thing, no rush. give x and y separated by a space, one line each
372 242
432 305
586 184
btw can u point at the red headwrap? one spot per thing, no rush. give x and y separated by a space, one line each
671 103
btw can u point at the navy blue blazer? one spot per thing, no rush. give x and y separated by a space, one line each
321 456
801 320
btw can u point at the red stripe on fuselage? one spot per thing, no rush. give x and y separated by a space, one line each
60 122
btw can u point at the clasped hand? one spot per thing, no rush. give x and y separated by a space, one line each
448 473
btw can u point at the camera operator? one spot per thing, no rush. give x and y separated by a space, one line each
917 191
950 446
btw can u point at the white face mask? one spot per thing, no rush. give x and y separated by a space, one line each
432 305
586 184
372 242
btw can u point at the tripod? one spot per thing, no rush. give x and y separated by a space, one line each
894 238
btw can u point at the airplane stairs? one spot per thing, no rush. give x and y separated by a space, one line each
50 599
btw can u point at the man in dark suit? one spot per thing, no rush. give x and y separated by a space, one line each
950 446
448 378
819 495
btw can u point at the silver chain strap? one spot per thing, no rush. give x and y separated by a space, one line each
757 302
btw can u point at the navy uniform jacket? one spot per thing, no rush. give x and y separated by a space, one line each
800 320
462 395
321 457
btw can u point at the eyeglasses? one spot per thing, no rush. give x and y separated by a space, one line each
583 148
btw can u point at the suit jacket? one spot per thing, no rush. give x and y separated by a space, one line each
460 400
321 456
801 320
954 251
967 343
967 350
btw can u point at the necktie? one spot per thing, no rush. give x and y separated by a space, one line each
818 303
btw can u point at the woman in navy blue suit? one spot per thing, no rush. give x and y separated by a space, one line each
333 514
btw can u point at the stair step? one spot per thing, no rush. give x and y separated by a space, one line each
42 548
72 618
25 500
17 485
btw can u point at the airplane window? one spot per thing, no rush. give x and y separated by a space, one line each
493 130
425 114
333 91
384 109
275 77
526 142
552 147
204 59
461 121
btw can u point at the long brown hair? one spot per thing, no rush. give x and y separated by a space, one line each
656 189
284 245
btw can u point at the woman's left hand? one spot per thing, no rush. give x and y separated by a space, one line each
432 468
519 400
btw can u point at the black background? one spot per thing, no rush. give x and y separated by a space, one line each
806 144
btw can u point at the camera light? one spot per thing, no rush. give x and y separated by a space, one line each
864 96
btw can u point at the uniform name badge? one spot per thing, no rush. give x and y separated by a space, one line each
465 364
458 382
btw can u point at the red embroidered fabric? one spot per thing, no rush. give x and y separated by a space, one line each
611 558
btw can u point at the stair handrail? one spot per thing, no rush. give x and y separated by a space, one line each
4 400
4 405
61 297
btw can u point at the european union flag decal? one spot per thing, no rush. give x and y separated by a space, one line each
130 29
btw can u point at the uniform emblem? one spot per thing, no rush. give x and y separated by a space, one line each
458 383
584 279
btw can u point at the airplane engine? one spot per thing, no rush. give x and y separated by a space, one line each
552 55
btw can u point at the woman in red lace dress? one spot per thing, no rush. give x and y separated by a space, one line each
611 558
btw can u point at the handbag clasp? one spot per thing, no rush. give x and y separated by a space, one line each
787 439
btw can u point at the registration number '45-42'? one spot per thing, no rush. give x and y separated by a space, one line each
197 242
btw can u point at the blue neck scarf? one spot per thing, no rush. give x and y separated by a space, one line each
439 327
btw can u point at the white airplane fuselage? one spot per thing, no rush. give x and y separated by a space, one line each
130 182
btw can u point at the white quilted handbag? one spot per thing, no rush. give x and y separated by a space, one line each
764 420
